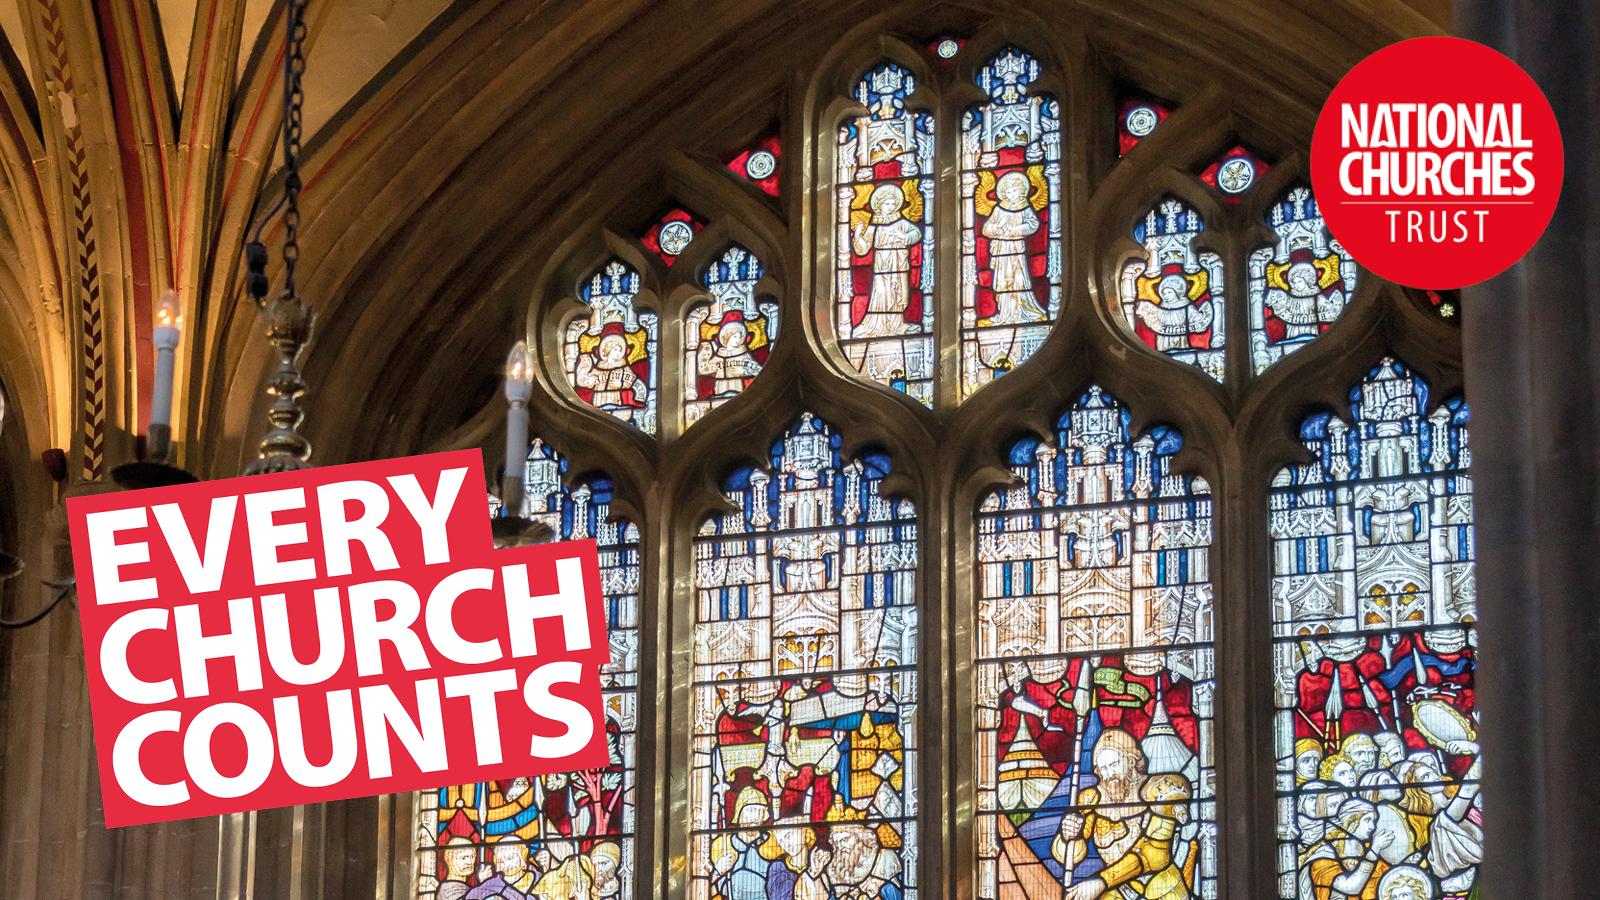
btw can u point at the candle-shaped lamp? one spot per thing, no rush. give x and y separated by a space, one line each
169 323
519 388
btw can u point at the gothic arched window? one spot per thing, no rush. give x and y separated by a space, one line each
726 340
1039 658
611 353
1373 606
1172 297
884 303
1095 669
570 828
1010 221
805 684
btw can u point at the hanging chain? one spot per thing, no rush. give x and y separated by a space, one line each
284 448
294 67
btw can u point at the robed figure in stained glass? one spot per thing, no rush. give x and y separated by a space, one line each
886 261
727 341
610 354
613 370
1010 220
1298 286
884 235
1014 254
731 353
1172 298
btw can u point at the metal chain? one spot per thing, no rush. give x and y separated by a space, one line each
288 317
294 67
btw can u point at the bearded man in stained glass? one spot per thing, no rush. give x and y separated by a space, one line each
1123 841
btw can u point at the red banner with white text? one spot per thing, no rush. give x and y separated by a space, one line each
326 634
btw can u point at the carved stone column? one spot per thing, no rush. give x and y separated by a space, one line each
1533 379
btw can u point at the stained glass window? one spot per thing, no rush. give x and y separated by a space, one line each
563 835
1095 675
884 236
726 341
946 46
1298 286
1010 221
670 234
611 353
1137 118
1373 607
759 163
1234 172
805 686
1172 298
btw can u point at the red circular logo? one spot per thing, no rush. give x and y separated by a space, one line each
1436 162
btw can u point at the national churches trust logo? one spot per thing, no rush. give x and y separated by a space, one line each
1437 162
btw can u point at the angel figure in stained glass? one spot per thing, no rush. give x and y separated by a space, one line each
727 340
887 262
1304 294
1173 308
1298 286
1011 206
613 370
732 351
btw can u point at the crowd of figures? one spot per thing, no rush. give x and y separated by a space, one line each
1379 811
557 837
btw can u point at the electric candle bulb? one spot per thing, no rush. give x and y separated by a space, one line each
519 388
165 334
519 374
167 314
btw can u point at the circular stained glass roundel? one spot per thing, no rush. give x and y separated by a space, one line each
675 236
760 164
1141 120
1236 175
948 48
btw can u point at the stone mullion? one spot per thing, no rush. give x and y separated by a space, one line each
957 571
1241 586
664 844
947 249
941 725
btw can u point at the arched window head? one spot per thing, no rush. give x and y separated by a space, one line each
1095 673
1172 298
543 835
726 340
611 352
804 710
1298 286
884 236
1373 604
1010 221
